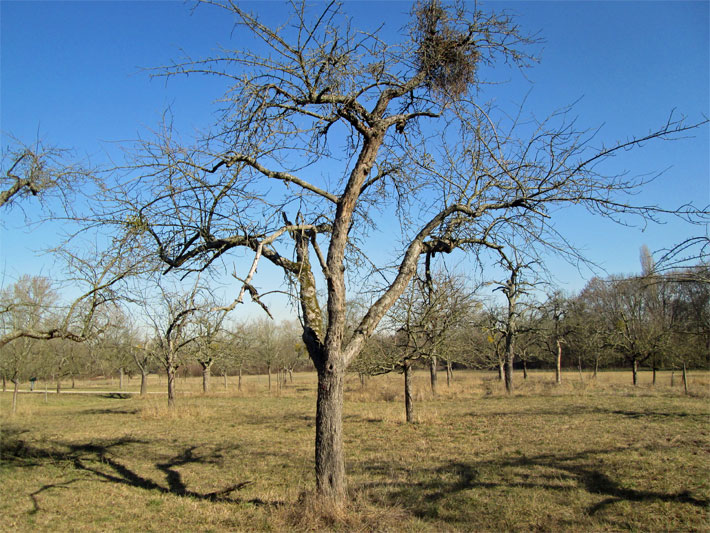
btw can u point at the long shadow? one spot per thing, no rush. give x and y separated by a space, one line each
583 410
439 484
16 452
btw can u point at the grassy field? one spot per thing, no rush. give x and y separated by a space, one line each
589 455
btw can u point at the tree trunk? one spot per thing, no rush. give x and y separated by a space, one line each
673 378
224 375
635 370
596 367
558 366
239 382
206 373
268 370
144 382
432 373
501 364
449 374
508 374
4 383
685 379
509 358
579 367
171 387
46 399
654 375
290 375
16 382
59 386
408 401
525 369
330 462
73 382
362 380
120 378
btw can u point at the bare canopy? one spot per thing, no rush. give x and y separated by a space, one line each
326 131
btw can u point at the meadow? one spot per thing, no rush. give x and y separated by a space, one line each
588 455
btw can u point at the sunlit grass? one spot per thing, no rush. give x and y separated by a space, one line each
589 455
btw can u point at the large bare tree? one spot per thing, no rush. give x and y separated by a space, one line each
333 142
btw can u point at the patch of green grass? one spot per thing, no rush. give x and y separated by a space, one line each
590 455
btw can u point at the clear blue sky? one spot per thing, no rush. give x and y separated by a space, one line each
72 73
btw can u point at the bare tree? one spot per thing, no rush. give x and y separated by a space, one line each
28 305
209 346
170 313
37 170
332 126
553 328
98 275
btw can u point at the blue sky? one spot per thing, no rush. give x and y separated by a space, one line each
72 73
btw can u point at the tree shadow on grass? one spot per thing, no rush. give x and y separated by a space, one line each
567 471
97 458
594 410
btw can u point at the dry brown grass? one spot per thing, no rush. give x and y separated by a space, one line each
589 455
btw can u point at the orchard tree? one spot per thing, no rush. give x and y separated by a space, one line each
170 313
554 327
322 129
100 276
209 345
40 170
28 305
514 287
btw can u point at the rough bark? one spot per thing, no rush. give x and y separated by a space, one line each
635 370
268 370
558 366
685 379
171 387
509 357
432 373
206 373
508 374
525 369
16 383
330 462
144 382
408 400
501 364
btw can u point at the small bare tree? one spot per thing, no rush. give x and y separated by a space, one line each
171 315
